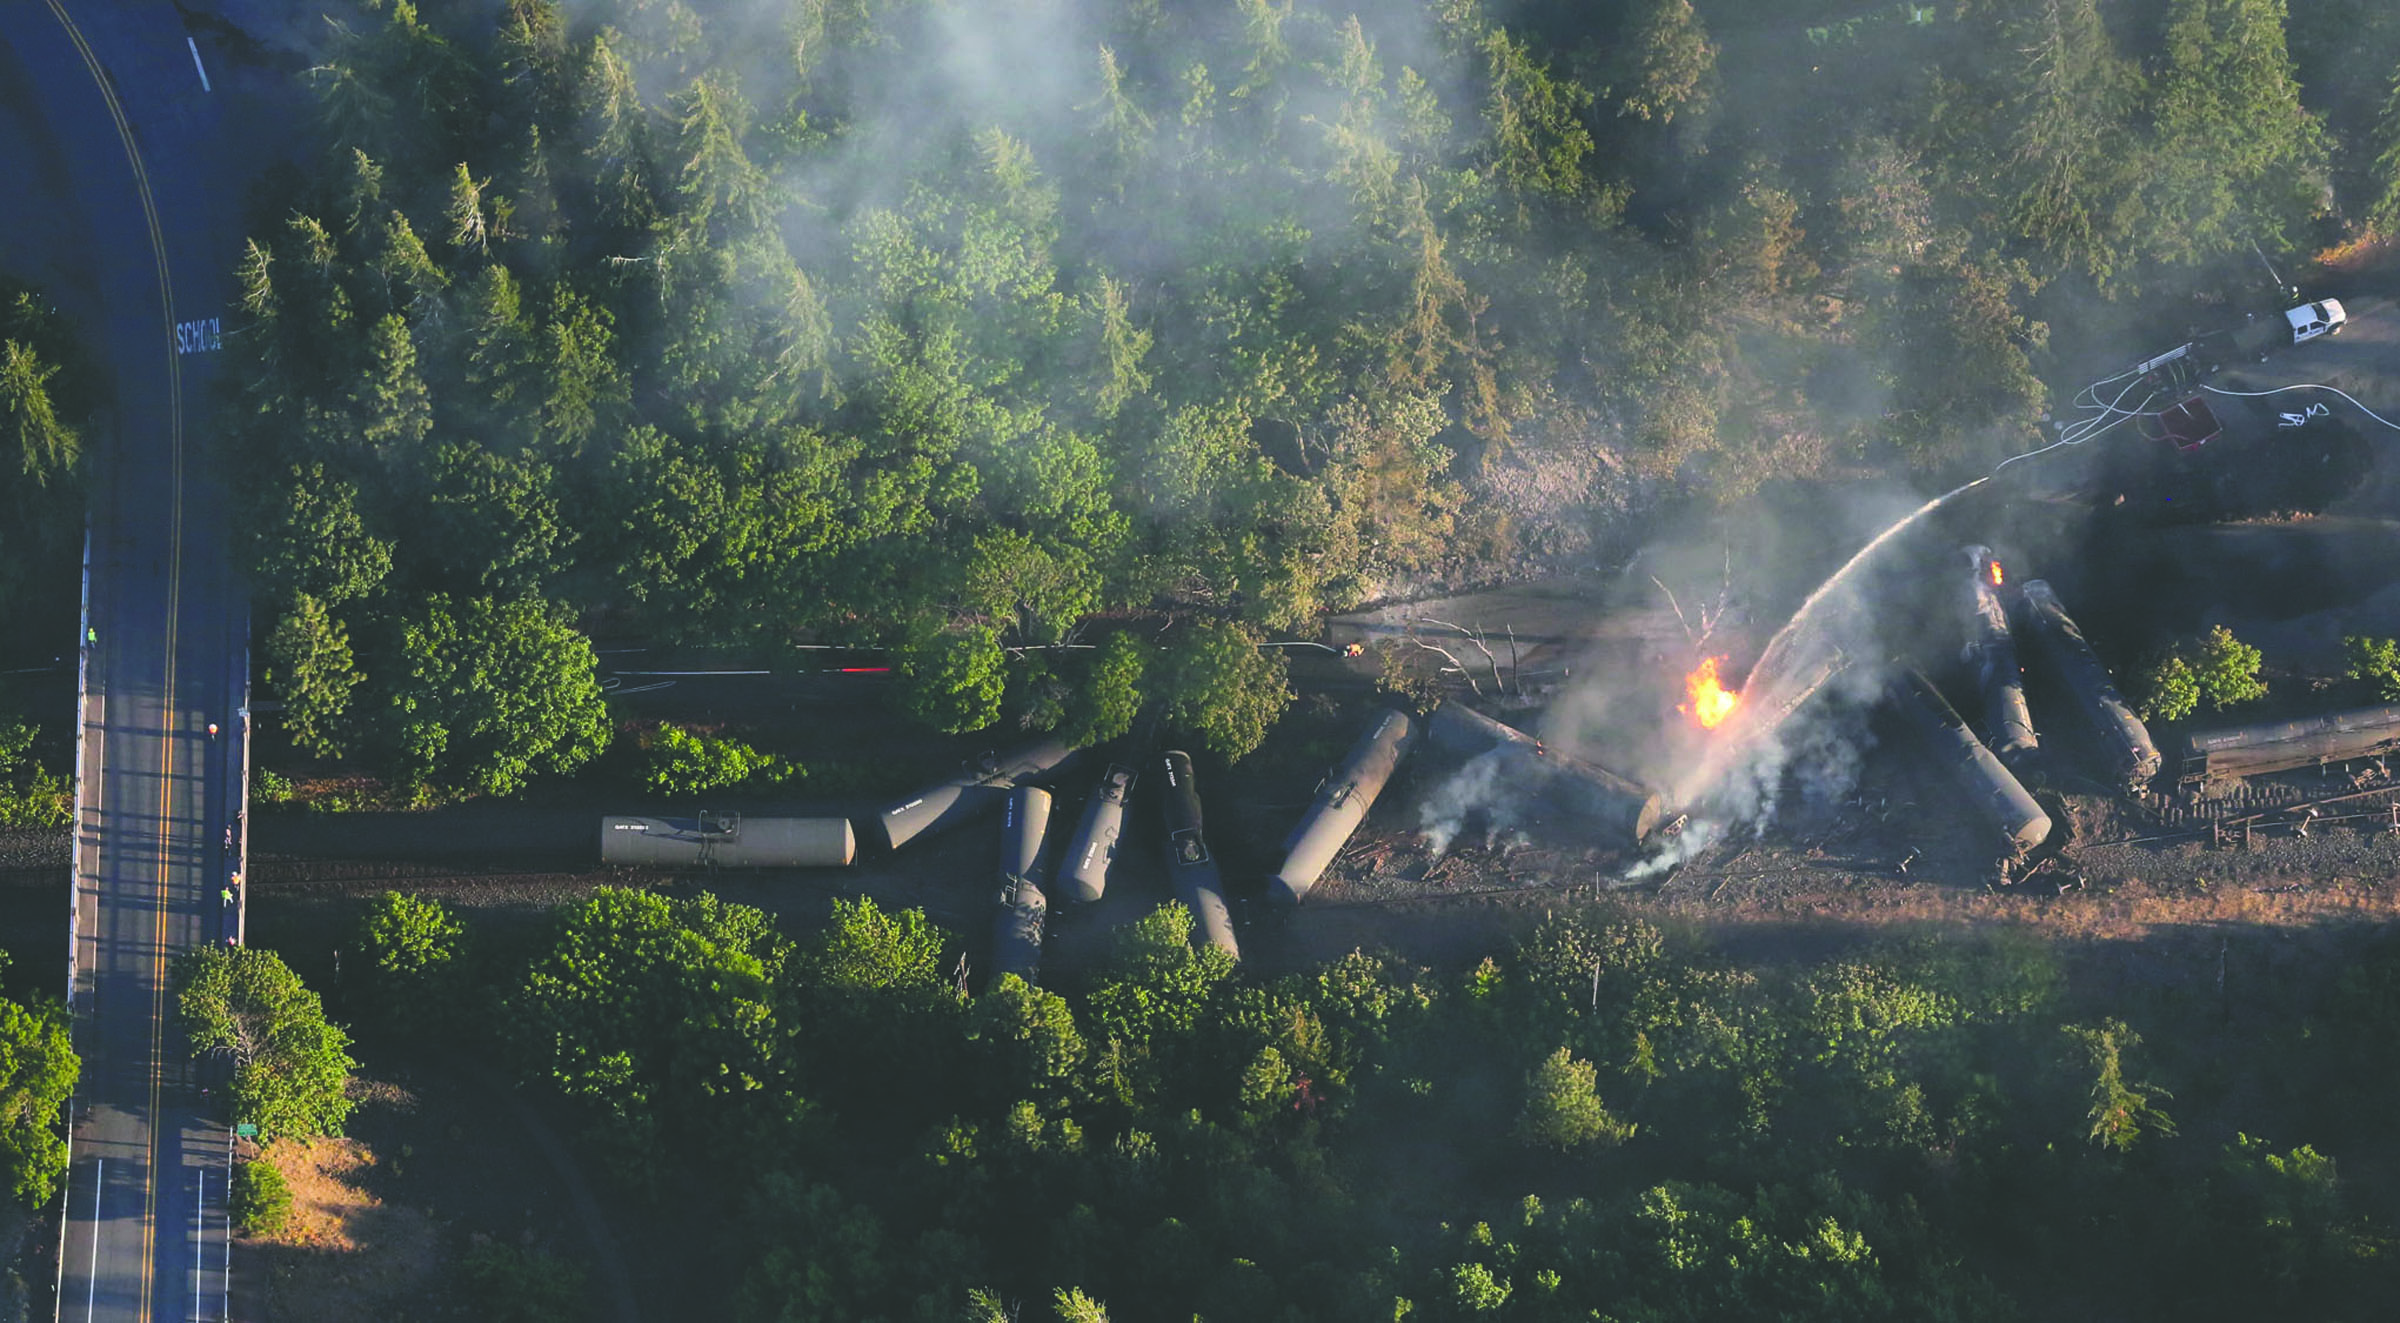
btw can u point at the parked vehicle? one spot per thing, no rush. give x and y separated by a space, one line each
2310 320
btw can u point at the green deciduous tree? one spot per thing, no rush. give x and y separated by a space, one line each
680 762
1028 1037
38 1072
1563 1109
411 954
309 664
1215 681
1112 692
956 677
2376 661
31 795
2227 669
2169 689
495 522
291 1067
657 1018
309 538
489 693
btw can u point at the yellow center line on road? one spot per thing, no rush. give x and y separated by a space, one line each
158 950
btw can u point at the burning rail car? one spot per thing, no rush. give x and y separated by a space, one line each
728 840
1017 928
1083 869
2280 746
2060 646
1994 791
1992 653
1198 884
1621 809
1341 805
978 789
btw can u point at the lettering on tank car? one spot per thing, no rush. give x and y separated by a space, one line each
896 812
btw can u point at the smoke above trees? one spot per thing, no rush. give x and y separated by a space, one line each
966 330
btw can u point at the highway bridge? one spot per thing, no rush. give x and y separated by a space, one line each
129 133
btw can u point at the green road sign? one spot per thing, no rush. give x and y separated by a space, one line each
246 1130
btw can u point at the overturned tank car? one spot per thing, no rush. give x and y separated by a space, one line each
2280 746
1341 805
1198 884
1083 869
1621 809
2058 644
1992 654
978 789
1017 928
1994 791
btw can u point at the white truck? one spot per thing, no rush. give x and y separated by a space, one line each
2310 320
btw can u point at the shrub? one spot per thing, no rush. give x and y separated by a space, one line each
262 1202
30 794
2228 670
1563 1109
682 763
2170 692
2376 661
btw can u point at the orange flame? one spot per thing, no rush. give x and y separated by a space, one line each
1711 701
1995 574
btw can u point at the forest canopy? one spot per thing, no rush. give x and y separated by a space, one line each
968 331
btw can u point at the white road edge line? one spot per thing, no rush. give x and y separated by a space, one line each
199 1244
91 1293
195 45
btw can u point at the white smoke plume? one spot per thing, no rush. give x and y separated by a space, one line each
1478 790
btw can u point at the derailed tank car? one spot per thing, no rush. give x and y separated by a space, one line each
1198 884
1341 805
2060 647
1998 797
1617 807
1017 928
1083 870
1992 654
728 841
2280 746
976 790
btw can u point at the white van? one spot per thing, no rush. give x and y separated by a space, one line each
2310 320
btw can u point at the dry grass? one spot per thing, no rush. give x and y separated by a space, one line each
345 1254
2354 254
2131 911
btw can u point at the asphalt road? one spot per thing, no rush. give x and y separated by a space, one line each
124 108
